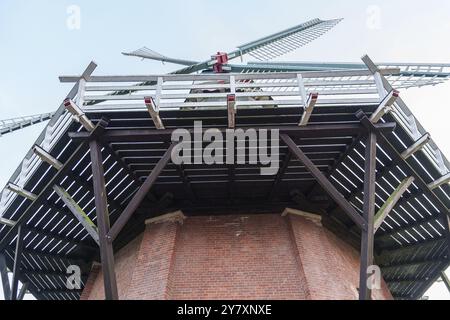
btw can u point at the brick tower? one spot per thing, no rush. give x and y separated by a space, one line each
270 256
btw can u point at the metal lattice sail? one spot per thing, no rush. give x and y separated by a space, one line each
10 125
288 40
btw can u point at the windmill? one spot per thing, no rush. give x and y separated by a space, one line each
264 50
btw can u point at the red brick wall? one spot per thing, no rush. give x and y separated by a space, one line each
236 257
125 262
90 283
331 266
150 278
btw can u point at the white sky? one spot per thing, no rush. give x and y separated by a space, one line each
37 46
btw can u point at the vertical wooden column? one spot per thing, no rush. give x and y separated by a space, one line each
103 224
17 263
367 235
4 276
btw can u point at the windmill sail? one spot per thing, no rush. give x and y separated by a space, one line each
10 125
146 53
263 49
408 75
288 40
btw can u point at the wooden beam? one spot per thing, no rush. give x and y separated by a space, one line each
231 107
411 248
41 198
324 182
407 282
413 278
21 191
23 291
47 273
81 216
395 155
419 144
101 206
410 264
153 110
78 114
367 236
391 202
64 258
309 108
439 182
47 157
59 291
7 222
311 131
17 263
385 106
58 237
140 194
446 280
5 279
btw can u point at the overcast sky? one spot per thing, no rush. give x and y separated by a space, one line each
38 43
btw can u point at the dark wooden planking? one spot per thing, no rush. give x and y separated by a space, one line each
324 182
140 195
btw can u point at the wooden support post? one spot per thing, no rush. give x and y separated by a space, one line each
153 110
391 202
78 114
23 291
140 195
7 222
21 192
5 279
47 157
81 216
441 181
324 182
367 236
384 106
446 280
101 206
17 263
309 107
231 106
419 144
